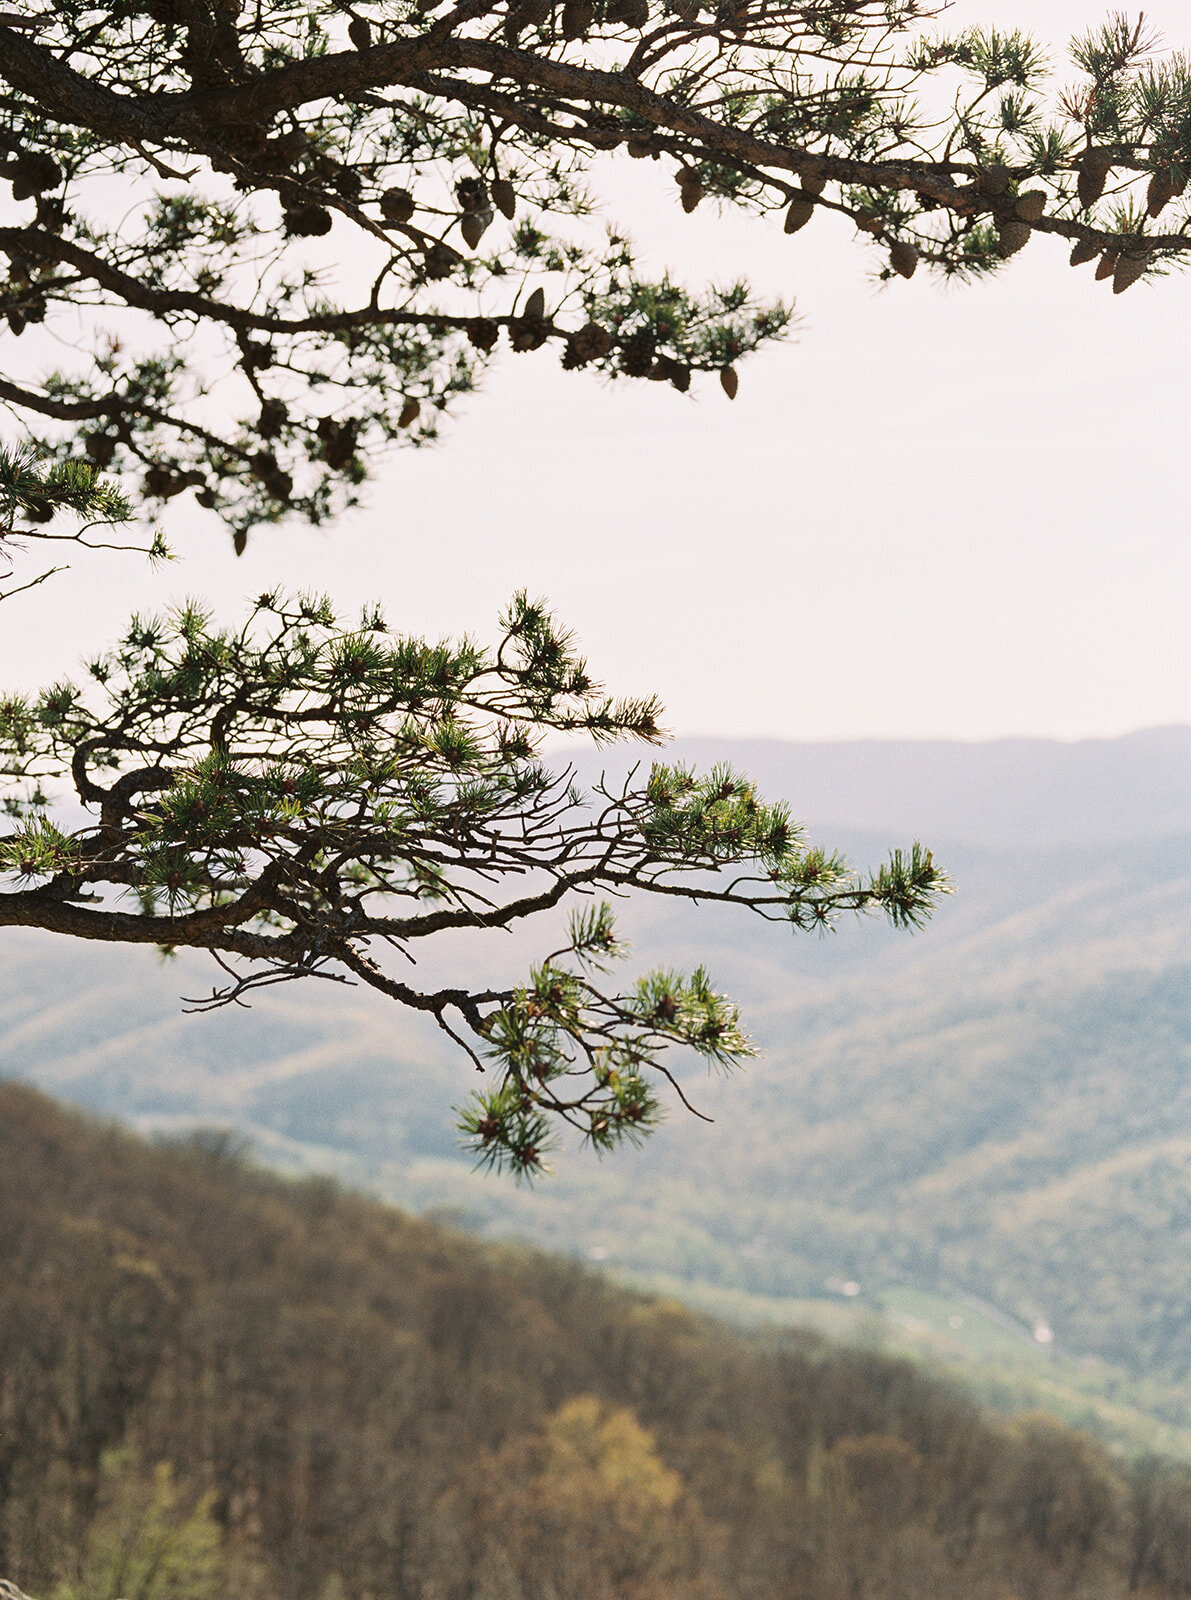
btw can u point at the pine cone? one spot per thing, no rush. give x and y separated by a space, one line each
339 442
527 333
1108 264
1012 235
994 179
1031 205
282 153
666 370
903 257
504 197
590 343
33 172
577 18
1160 192
272 419
280 485
101 448
409 413
690 188
440 261
1128 269
482 333
604 132
360 33
1094 167
161 484
1083 250
307 222
801 210
397 205
729 382
471 193
473 225
637 353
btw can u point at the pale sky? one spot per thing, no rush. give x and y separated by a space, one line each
932 513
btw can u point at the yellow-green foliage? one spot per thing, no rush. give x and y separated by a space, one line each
148 1541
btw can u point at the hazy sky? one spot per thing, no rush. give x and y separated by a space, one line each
937 513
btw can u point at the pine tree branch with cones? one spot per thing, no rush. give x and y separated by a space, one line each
450 154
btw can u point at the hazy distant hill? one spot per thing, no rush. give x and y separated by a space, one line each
999 1107
1001 792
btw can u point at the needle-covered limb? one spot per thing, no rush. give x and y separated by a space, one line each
301 799
455 158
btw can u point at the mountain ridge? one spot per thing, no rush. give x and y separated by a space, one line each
998 1106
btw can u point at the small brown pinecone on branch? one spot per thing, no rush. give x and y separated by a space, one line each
473 225
690 187
666 370
482 333
440 261
588 344
1128 269
628 13
1159 192
799 212
339 442
577 18
637 353
33 172
504 197
1094 167
1012 235
101 447
272 419
397 205
309 222
994 179
1030 206
903 257
530 330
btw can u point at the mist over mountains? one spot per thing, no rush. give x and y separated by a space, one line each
997 1107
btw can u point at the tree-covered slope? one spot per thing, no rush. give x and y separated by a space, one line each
217 1381
999 1107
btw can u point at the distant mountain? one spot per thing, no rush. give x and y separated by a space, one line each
1001 793
998 1107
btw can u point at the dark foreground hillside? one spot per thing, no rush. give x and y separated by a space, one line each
214 1381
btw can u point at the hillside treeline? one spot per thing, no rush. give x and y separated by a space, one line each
216 1381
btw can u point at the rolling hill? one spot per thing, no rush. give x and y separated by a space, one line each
995 1112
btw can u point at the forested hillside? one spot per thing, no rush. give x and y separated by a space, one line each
214 1380
999 1107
